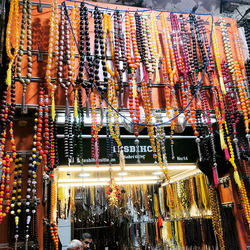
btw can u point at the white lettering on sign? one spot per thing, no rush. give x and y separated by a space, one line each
143 149
126 149
182 158
132 149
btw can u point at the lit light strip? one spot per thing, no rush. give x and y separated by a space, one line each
182 176
105 183
82 184
132 178
87 169
127 168
135 182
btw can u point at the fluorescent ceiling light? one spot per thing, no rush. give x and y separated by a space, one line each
147 167
181 167
122 173
87 169
182 176
158 173
105 183
84 175
83 180
82 184
130 178
140 168
136 182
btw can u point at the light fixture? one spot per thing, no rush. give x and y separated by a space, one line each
122 173
84 175
158 173
87 184
182 176
181 167
87 169
148 167
83 180
130 178
82 184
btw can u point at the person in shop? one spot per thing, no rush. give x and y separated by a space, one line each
75 245
86 241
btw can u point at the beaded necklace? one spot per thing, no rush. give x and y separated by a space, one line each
53 226
186 43
239 54
148 115
13 17
53 43
15 206
47 139
169 61
108 32
244 101
216 217
204 192
85 45
240 183
161 150
26 14
95 129
231 103
34 162
183 68
204 103
7 111
156 45
65 43
195 56
107 28
227 47
218 60
119 49
146 45
196 27
115 133
228 53
99 53
5 180
201 26
133 63
75 82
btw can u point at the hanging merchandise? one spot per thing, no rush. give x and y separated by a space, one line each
110 71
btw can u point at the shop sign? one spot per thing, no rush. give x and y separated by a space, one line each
185 151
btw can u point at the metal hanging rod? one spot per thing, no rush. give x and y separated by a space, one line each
125 84
40 6
41 53
133 137
21 152
61 108
24 200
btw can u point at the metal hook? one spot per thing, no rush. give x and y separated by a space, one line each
39 7
39 55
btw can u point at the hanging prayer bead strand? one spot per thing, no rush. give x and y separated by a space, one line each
13 17
52 38
134 63
119 48
26 14
155 44
172 70
148 115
